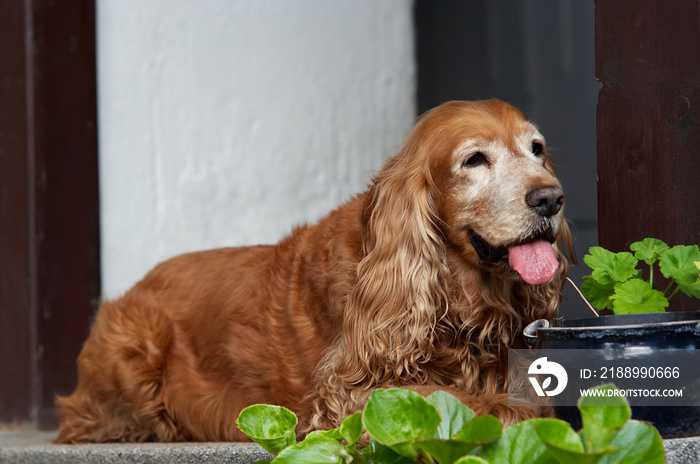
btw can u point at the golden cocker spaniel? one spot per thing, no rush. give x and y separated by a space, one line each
423 281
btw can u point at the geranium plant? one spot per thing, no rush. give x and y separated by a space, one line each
616 281
406 428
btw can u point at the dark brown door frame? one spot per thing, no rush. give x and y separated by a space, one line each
648 60
49 204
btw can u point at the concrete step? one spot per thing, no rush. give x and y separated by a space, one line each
32 447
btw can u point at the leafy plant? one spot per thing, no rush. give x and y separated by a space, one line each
406 428
616 281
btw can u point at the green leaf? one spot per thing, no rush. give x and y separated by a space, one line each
637 296
636 443
518 445
470 460
397 418
678 263
597 294
691 289
481 430
565 444
272 427
649 250
609 267
445 451
333 434
559 434
314 450
381 454
602 416
453 412
351 428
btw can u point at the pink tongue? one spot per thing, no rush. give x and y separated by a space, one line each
534 261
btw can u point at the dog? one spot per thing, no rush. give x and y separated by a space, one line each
424 281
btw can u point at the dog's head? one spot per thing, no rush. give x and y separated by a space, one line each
480 173
493 187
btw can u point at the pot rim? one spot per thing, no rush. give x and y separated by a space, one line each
630 319
540 329
622 326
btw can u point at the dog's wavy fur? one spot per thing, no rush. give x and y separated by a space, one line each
384 291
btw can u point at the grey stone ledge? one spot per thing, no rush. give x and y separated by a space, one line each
32 447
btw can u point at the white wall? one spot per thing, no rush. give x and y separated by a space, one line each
226 122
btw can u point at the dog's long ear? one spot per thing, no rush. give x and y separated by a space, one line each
401 289
565 241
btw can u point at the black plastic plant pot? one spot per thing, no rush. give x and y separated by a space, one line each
655 331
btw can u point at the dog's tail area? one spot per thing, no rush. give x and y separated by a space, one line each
119 396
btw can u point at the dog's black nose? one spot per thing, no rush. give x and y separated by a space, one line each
546 201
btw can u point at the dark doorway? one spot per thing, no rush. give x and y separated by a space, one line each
538 56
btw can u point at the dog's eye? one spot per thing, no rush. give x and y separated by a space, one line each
537 148
477 159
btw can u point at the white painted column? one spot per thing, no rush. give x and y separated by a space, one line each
227 122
